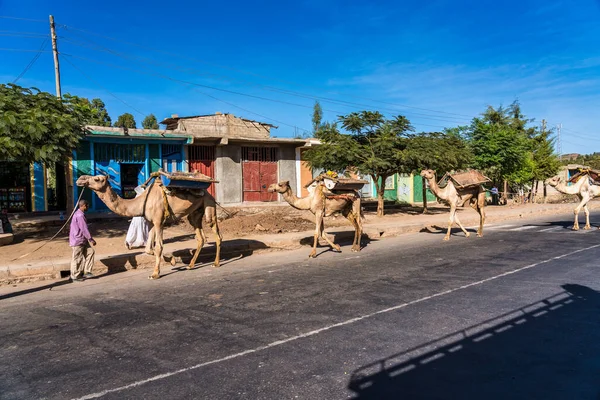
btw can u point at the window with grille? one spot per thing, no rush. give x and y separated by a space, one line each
263 154
170 150
133 153
201 152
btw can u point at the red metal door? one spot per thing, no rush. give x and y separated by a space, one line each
259 171
268 176
251 180
202 159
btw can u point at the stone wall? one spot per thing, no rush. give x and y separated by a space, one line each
224 125
228 171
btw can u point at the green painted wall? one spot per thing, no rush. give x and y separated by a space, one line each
391 189
418 190
405 185
154 155
83 166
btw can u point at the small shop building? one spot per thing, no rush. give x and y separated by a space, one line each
127 157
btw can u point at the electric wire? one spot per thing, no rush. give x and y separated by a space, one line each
32 62
104 88
67 27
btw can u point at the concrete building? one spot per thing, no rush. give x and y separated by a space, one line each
240 154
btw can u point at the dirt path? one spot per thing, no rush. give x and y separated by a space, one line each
110 234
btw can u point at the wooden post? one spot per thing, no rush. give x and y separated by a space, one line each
55 54
68 162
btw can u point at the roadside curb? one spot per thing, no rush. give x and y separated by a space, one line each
113 263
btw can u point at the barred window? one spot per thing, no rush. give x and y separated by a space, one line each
263 154
104 152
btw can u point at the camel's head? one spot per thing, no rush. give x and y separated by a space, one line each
98 182
428 174
555 180
280 187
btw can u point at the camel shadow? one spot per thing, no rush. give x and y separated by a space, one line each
232 250
548 350
342 238
441 230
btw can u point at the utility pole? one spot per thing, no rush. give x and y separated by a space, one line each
66 164
55 53
543 125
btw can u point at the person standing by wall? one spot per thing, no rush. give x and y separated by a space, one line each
81 242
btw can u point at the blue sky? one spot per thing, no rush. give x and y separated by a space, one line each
438 62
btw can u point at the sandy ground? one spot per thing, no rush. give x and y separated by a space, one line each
110 235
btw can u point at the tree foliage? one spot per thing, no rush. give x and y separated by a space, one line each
94 111
37 126
150 122
500 142
125 121
373 146
317 118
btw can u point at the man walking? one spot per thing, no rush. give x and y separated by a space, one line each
81 241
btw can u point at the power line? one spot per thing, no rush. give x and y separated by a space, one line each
246 72
33 60
270 88
108 91
22 19
24 51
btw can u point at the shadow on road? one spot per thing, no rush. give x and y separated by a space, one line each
546 350
33 290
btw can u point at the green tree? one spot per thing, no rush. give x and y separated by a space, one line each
443 152
373 146
94 111
101 116
546 162
317 118
500 143
150 122
36 126
125 121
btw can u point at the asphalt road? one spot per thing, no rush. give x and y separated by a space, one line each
515 314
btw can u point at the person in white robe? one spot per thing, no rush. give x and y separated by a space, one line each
137 234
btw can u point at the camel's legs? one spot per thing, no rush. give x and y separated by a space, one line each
158 249
587 217
326 237
200 240
150 243
355 221
582 203
481 212
450 221
318 224
357 225
218 240
467 234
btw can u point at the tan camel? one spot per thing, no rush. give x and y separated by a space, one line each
458 197
584 190
321 206
155 205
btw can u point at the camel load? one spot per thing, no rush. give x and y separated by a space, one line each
337 186
184 180
592 174
464 179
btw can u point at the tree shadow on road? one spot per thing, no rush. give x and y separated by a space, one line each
546 350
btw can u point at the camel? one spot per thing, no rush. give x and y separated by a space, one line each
458 197
584 190
155 205
321 206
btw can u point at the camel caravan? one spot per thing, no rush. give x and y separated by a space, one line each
179 194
